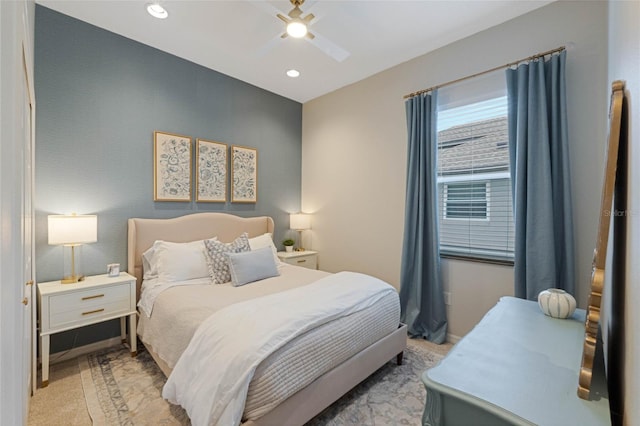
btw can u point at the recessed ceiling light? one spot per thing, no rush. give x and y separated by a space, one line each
157 11
293 73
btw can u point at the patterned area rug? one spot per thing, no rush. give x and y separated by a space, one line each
121 390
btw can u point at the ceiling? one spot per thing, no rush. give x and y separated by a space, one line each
241 38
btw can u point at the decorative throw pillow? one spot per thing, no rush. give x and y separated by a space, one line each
265 240
217 260
251 266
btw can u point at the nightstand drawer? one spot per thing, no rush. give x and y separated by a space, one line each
310 262
90 305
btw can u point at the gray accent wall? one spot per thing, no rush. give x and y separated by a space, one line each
100 97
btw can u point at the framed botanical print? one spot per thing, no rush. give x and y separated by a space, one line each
211 171
171 167
244 174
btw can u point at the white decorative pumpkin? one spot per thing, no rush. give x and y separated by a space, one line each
556 303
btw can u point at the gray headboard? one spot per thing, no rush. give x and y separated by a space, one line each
198 226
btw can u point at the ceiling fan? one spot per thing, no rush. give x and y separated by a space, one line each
297 26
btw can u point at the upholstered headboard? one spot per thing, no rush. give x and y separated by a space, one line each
198 226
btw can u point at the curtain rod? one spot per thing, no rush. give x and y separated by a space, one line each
539 55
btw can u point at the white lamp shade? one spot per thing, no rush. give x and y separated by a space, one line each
300 221
72 229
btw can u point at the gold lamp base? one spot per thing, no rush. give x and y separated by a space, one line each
73 273
300 248
72 279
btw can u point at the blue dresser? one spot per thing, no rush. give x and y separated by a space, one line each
516 367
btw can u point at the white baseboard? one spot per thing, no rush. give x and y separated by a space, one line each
452 338
82 350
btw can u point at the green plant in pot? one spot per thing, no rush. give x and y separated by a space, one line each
288 244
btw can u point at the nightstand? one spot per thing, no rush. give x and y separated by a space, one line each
306 259
98 298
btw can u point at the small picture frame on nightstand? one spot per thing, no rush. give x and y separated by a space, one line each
113 270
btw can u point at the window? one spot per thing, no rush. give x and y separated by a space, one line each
465 200
474 183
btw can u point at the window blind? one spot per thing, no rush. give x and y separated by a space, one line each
474 185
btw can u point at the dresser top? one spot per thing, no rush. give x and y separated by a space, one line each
88 283
519 363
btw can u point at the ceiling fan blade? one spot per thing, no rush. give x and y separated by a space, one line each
310 35
329 47
307 19
270 45
283 18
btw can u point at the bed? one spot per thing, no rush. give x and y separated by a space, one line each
302 377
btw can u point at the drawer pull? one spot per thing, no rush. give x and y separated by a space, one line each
93 312
302 261
93 297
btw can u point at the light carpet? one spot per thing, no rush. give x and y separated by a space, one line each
121 390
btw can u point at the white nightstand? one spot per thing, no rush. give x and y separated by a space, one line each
306 259
98 298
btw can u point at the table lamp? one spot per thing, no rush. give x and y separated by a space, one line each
300 222
71 231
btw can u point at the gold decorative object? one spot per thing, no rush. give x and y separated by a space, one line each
600 252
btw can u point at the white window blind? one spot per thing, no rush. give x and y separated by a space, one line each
466 200
474 185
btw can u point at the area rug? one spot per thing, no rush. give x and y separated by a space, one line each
121 390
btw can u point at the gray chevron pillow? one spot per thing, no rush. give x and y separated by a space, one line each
217 259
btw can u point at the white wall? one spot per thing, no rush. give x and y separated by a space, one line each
354 152
624 64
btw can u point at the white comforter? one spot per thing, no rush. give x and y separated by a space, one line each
211 378
152 288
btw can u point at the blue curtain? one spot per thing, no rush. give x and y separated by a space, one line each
421 294
544 252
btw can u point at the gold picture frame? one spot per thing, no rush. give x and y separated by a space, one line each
600 253
244 174
211 171
171 167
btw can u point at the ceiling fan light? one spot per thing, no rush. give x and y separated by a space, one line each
157 11
296 29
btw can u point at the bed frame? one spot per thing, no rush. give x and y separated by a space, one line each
326 389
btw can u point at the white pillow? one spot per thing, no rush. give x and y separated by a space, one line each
180 261
265 240
149 264
250 266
